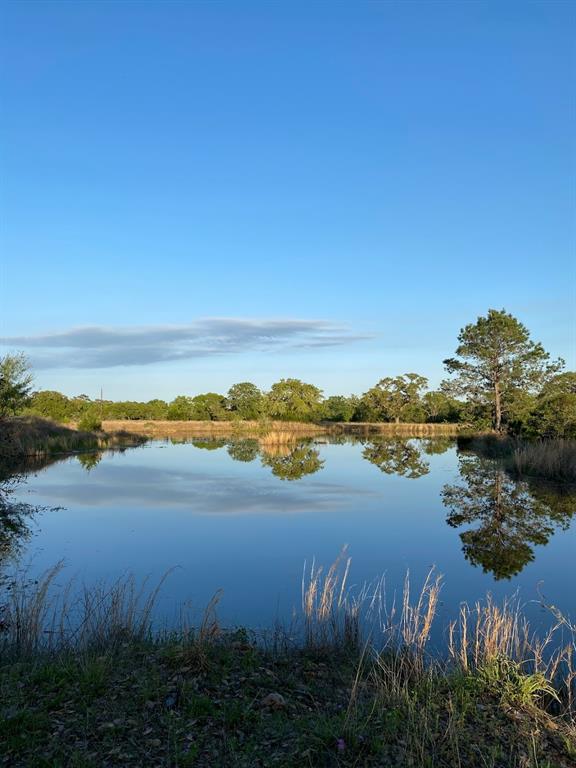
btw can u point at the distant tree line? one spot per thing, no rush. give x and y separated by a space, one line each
394 400
499 379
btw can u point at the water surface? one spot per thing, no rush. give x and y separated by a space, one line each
236 516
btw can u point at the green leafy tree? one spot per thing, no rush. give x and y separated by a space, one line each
245 400
79 405
293 400
440 407
14 520
156 409
395 399
519 407
339 408
554 413
212 444
434 446
89 460
180 409
396 457
209 407
51 405
15 384
495 359
90 421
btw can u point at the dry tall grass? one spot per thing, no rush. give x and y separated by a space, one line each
491 642
279 437
486 639
265 426
33 437
43 615
212 428
552 459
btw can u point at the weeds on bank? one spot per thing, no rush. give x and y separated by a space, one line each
101 688
553 460
33 438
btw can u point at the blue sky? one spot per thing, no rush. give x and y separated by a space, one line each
195 194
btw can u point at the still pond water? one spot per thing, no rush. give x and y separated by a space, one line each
234 516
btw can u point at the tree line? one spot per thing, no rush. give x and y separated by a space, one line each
498 379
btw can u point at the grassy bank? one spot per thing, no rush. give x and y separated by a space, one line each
32 437
265 427
553 460
109 692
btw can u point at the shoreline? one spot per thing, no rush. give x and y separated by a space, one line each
261 428
118 694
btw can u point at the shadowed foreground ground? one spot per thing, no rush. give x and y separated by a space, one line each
88 683
232 704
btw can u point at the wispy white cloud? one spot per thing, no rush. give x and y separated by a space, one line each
102 347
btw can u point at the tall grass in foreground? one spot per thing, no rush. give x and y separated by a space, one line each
359 686
491 642
40 615
488 642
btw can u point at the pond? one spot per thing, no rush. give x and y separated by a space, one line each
242 517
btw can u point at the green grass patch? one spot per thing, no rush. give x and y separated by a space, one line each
155 704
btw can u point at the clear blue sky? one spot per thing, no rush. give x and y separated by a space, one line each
195 194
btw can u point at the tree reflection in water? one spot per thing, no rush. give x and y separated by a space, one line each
89 460
210 444
244 450
433 446
510 517
396 457
14 520
292 463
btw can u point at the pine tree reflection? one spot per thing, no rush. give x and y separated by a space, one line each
509 517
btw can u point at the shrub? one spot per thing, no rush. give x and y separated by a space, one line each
90 422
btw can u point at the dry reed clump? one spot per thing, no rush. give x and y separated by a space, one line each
553 459
40 615
334 613
276 451
487 641
487 631
329 616
497 642
279 437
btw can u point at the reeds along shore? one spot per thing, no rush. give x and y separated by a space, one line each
265 427
547 459
553 460
353 681
32 437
